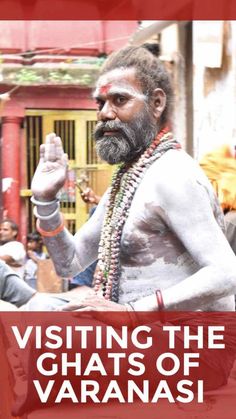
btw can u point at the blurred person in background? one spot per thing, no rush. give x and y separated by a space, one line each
34 254
220 168
13 290
11 250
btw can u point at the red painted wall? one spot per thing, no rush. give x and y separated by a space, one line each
42 97
103 36
70 98
57 38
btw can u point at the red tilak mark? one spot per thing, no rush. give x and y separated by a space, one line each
104 89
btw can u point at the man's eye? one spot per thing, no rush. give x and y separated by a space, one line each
120 100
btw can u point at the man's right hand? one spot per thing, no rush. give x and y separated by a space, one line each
51 171
89 196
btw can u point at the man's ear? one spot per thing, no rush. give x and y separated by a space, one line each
159 102
14 234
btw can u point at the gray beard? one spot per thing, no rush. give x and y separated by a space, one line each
131 140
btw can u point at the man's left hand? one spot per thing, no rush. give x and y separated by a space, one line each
98 307
93 303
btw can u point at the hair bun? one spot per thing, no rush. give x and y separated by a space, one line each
153 47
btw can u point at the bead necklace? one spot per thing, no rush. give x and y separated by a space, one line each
123 187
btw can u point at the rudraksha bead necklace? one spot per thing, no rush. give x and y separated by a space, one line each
123 187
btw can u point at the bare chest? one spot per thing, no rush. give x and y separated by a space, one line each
146 236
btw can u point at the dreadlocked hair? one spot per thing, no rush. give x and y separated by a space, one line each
150 72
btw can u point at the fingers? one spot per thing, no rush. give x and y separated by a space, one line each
87 303
42 152
92 303
52 150
50 138
94 300
65 159
83 309
69 307
84 196
88 195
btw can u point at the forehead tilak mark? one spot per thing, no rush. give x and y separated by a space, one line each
111 89
103 90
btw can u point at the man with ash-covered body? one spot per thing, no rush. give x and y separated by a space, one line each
154 253
149 238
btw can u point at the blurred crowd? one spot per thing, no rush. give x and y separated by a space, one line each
19 273
22 260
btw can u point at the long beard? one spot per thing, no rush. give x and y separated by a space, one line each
128 142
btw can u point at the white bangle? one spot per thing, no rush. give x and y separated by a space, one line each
43 203
46 217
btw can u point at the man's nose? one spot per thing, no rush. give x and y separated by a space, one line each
107 112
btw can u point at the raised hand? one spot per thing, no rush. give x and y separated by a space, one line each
50 174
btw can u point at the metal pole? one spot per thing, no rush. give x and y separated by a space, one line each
141 35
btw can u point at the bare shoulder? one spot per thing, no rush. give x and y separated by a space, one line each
178 174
